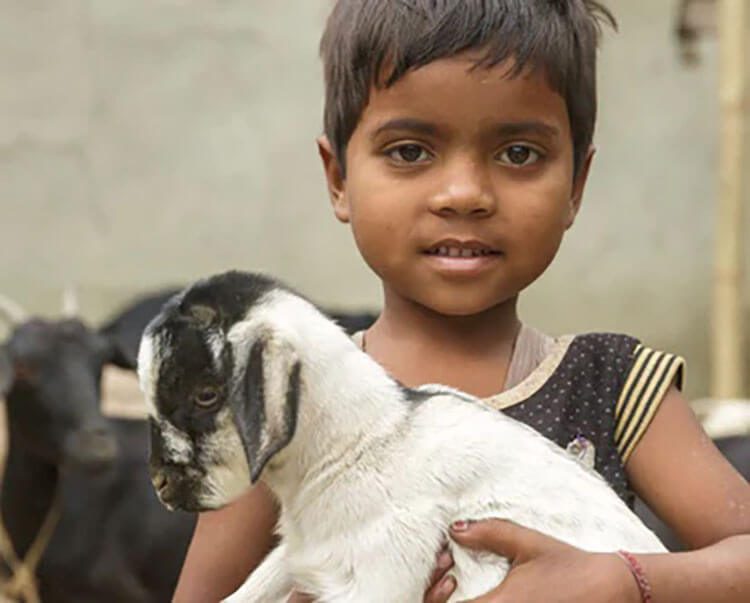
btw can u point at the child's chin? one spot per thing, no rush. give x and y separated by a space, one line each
457 305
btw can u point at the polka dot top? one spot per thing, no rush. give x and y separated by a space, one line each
595 395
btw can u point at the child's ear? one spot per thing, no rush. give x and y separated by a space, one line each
579 184
335 179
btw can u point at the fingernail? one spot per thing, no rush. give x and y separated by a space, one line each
460 526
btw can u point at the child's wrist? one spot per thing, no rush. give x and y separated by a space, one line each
639 584
612 579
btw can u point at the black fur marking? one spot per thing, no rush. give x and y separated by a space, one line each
352 322
414 396
125 329
291 407
156 453
291 410
230 295
251 415
184 372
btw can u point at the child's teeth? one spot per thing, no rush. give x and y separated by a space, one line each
459 252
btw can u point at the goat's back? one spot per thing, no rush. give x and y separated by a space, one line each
452 459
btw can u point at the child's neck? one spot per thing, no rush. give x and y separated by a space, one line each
417 345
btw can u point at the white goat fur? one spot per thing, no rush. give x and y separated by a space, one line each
372 478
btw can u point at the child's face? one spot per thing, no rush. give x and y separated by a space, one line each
456 162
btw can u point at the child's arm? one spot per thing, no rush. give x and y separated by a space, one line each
269 582
681 474
226 546
683 477
677 469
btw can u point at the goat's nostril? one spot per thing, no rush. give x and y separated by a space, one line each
160 481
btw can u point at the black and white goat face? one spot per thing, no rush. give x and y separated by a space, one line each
222 388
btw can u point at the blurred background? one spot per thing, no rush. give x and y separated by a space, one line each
147 143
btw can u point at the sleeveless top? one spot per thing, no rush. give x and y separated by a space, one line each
593 394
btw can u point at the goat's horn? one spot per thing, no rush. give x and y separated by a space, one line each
11 312
70 307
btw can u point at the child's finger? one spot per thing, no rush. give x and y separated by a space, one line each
444 562
501 537
441 592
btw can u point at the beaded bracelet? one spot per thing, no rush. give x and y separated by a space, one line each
640 576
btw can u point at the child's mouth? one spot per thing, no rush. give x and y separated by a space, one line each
454 258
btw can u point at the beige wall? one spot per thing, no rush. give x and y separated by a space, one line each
148 142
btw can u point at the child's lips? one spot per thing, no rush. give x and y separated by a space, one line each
461 257
462 266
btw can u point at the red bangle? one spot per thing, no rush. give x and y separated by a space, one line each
640 576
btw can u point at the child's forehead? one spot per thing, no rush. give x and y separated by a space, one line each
457 92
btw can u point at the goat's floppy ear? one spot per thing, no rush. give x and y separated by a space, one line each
6 372
267 413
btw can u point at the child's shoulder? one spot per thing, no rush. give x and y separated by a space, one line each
639 369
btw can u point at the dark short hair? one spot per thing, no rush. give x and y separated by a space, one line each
376 42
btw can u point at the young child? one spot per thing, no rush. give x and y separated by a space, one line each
457 145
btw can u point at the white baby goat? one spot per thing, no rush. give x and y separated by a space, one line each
246 380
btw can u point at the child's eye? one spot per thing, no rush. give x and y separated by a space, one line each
519 155
408 153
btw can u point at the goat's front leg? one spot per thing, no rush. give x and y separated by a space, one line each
269 583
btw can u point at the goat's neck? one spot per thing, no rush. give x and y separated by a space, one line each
28 487
348 403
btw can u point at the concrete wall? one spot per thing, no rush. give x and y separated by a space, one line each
148 142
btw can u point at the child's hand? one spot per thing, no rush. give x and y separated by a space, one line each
543 568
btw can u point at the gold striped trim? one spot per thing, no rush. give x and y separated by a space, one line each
535 380
648 381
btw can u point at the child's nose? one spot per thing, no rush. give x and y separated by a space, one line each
466 191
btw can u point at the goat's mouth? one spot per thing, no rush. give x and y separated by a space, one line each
180 488
183 496
174 493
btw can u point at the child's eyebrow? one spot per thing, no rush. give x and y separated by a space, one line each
407 123
510 129
502 130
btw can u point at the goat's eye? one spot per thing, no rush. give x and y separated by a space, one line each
206 397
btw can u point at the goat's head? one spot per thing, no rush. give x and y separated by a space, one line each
50 371
221 376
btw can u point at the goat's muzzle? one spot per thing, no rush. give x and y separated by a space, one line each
176 487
